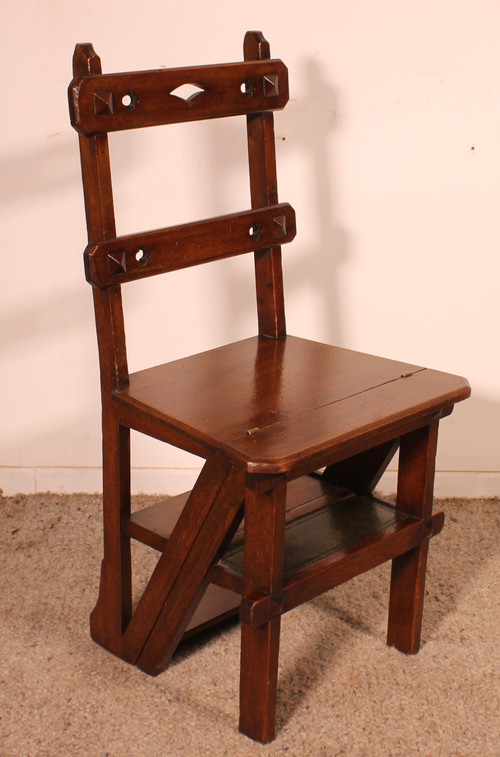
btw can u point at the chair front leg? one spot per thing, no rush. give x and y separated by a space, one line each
415 495
263 574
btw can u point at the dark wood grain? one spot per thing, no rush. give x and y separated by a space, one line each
179 579
264 413
135 256
361 473
153 525
271 404
263 572
114 604
113 610
264 191
341 565
415 491
113 102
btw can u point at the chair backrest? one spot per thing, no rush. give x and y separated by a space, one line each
101 103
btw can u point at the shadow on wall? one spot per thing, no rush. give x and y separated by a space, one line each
309 124
48 168
305 178
49 318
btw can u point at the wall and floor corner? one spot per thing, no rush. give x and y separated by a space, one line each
388 150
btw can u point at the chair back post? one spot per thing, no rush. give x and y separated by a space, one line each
100 216
264 191
97 106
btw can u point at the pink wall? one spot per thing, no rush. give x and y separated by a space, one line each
389 150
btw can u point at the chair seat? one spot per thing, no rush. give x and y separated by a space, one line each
275 405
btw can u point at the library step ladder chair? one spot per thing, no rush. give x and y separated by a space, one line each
295 434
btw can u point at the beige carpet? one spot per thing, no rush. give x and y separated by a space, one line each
342 691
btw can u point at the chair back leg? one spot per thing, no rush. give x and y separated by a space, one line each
415 495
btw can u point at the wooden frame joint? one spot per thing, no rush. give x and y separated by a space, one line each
433 525
260 608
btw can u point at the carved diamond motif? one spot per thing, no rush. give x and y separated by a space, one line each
270 83
117 262
279 226
103 103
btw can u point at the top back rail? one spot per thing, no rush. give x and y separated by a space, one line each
102 103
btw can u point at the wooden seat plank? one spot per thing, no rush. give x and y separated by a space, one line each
272 404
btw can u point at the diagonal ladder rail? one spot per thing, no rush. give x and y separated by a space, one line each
204 528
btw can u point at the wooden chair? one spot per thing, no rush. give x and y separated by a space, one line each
266 413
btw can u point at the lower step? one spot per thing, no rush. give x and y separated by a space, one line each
325 524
